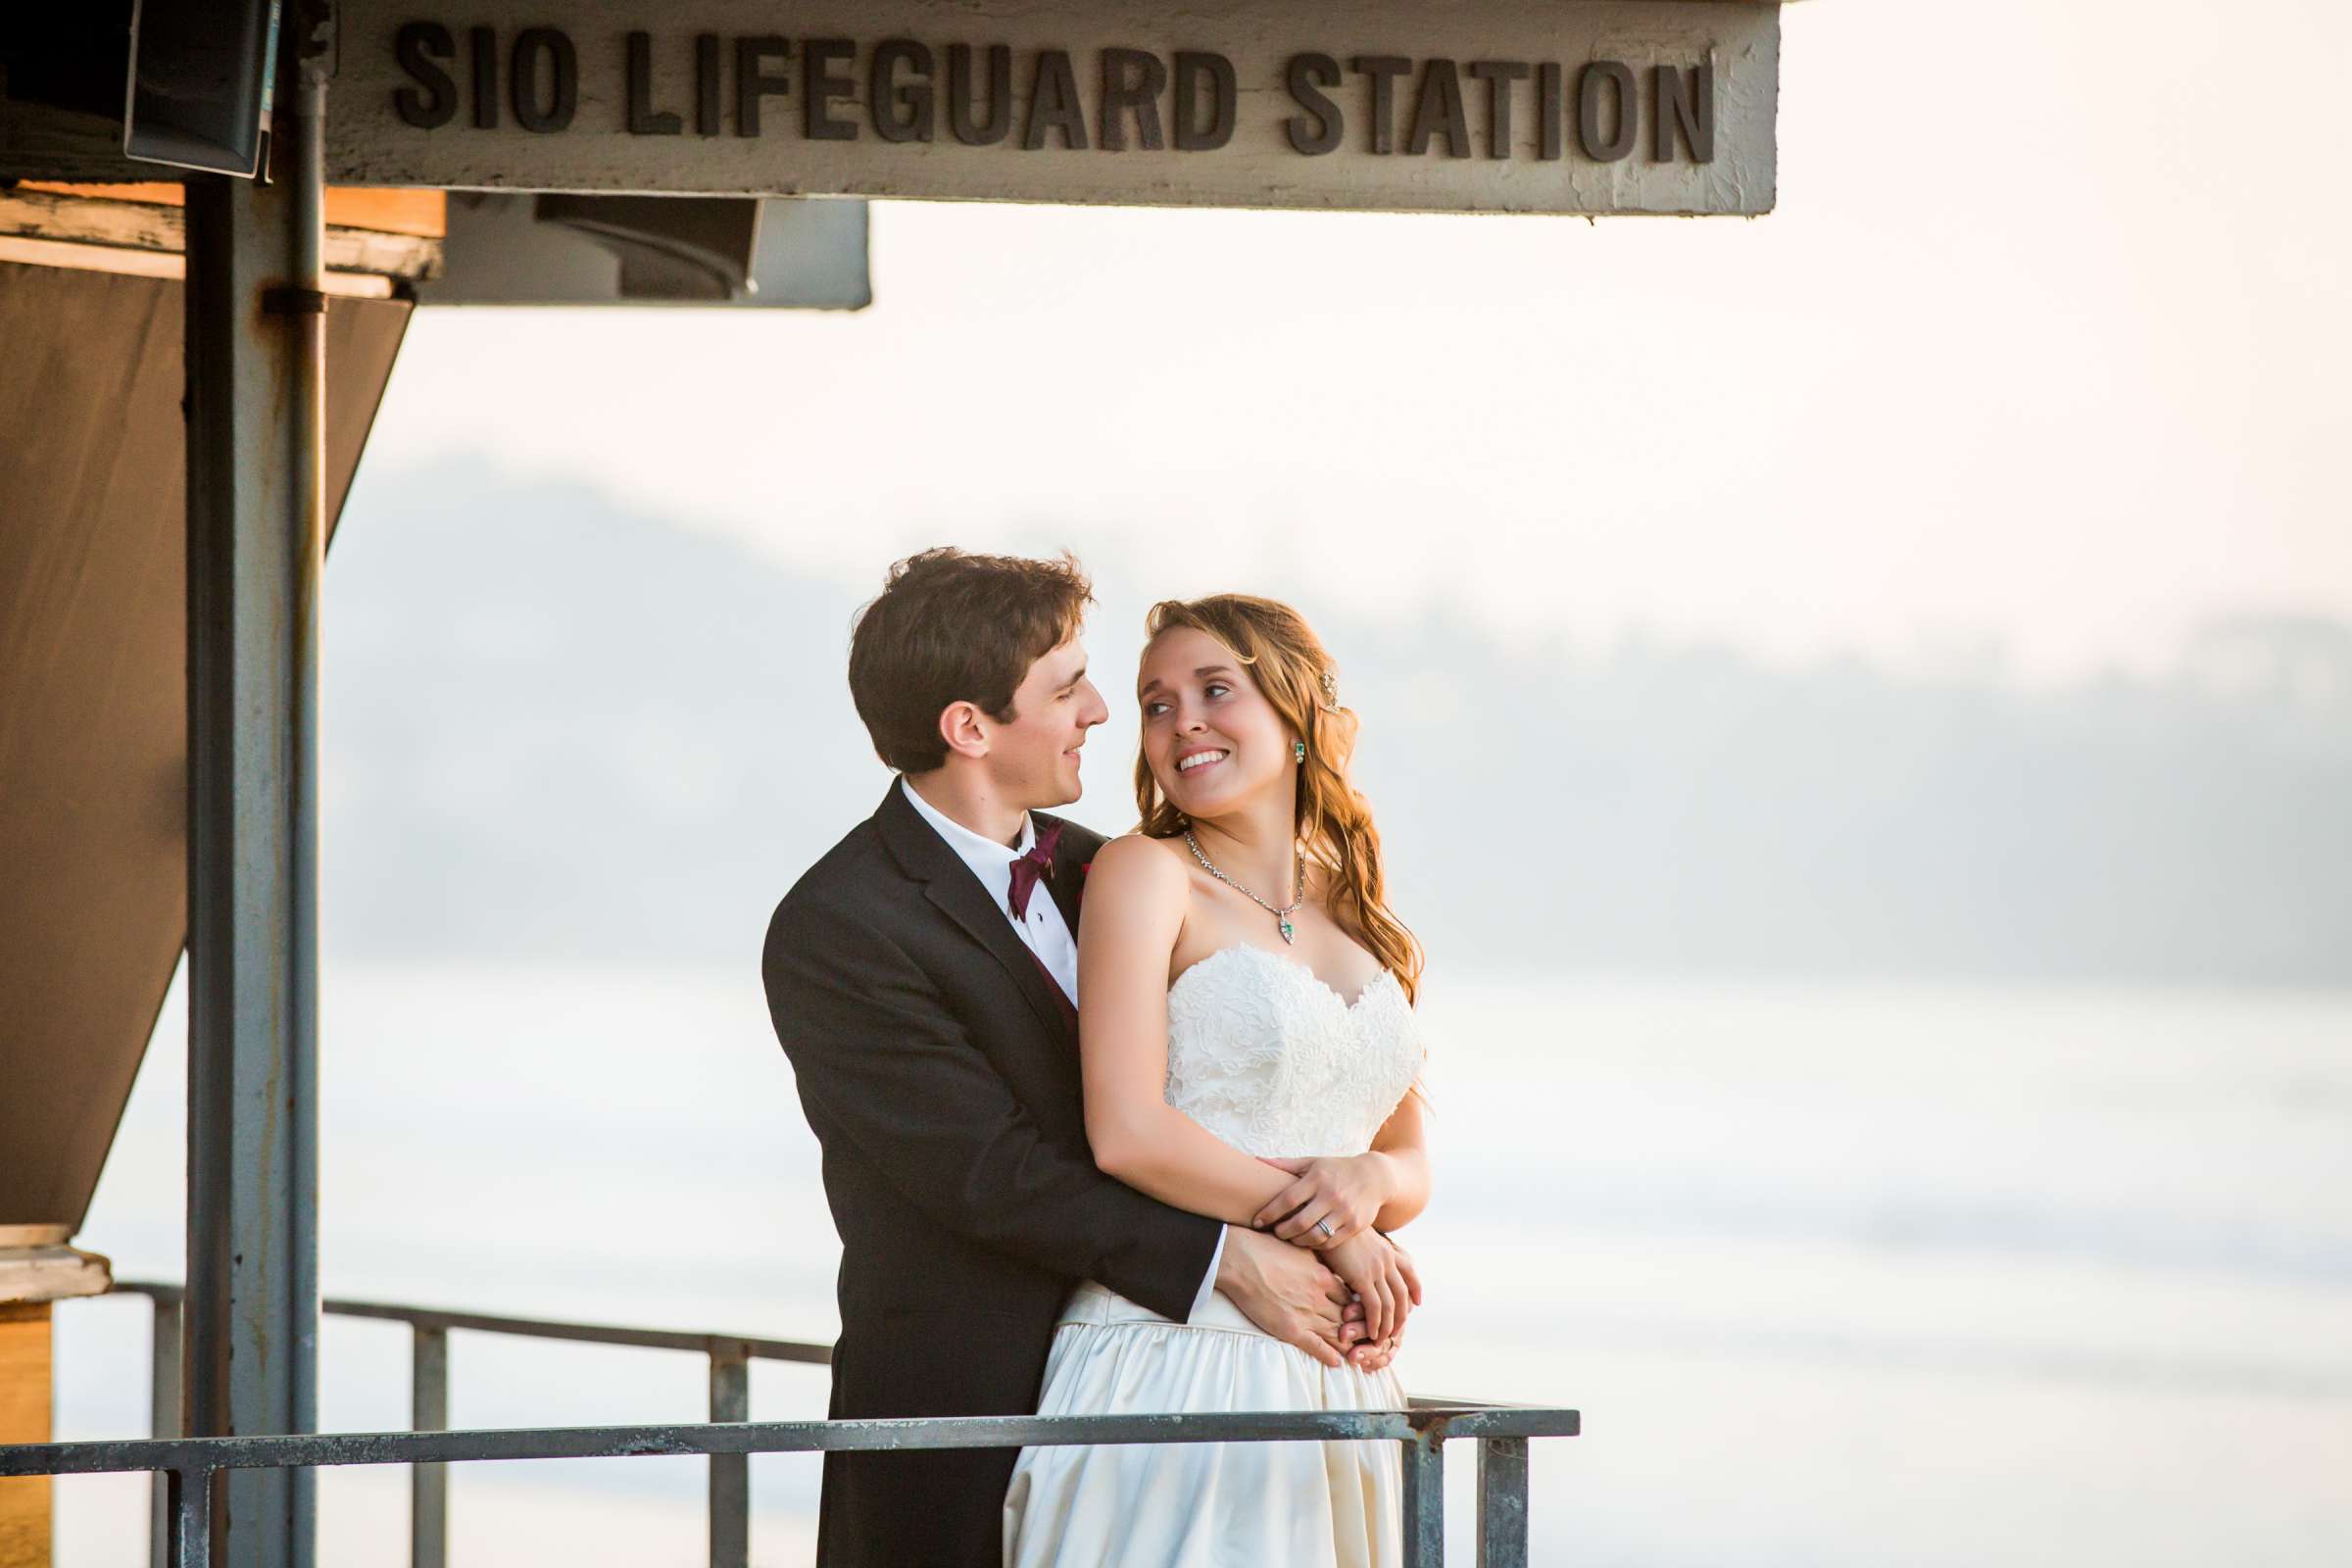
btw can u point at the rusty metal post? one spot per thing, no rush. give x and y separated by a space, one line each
428 1484
730 1473
1502 1502
255 350
1424 1498
194 1496
163 1420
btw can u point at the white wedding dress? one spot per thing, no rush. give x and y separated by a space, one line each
1275 1062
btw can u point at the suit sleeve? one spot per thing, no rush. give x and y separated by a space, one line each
882 1061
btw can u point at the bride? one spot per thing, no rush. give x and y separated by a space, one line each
1249 1053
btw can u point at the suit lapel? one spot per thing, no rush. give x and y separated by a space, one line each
957 894
1067 884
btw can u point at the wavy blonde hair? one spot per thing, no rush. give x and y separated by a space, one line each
1334 821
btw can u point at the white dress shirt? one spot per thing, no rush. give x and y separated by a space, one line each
1044 932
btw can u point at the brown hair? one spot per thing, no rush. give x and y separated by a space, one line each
950 627
1334 821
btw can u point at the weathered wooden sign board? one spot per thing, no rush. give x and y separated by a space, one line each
1524 106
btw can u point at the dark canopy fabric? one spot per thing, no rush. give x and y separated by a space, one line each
93 724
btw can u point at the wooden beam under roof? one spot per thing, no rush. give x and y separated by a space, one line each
391 233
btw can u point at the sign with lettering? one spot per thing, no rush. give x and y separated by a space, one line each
1524 106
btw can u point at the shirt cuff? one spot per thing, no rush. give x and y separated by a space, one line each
1209 1286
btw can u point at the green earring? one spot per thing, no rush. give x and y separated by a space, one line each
1297 751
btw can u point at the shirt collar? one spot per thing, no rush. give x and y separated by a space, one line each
991 861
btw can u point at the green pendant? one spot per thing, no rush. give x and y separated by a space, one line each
1287 933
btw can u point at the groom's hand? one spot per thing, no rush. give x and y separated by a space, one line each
1287 1291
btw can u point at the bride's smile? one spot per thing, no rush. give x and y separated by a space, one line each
1210 737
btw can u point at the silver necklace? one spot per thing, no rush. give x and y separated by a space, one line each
1282 917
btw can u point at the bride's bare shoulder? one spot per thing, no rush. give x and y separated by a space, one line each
1133 885
1138 865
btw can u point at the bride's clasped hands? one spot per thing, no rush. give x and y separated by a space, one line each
1332 1206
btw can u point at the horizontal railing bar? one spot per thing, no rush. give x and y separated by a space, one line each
1447 1402
591 1332
757 1350
1475 1421
772 1437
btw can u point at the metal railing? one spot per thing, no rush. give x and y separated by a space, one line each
728 1355
187 1469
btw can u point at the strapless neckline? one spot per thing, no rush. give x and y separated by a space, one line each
1266 1055
1278 961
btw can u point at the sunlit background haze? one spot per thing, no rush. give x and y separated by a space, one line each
1861 702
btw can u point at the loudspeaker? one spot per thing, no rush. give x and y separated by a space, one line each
200 81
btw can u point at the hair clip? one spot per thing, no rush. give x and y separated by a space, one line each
1331 691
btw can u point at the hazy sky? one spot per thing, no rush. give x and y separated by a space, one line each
2045 347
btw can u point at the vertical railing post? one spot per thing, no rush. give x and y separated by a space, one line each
255 362
428 1484
730 1473
163 1421
1425 1500
191 1532
1502 1502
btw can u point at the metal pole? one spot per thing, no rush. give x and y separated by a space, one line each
194 1501
1425 1501
730 1473
1502 1502
163 1421
428 1484
255 363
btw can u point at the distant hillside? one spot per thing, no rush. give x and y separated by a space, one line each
556 729
1685 809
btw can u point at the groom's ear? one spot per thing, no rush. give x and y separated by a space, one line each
965 729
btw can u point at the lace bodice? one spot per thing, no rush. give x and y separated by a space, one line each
1275 1062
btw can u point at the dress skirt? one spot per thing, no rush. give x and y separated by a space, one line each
1199 1505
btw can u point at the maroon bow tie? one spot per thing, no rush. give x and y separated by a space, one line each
1027 868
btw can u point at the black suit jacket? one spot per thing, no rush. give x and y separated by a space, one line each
940 1074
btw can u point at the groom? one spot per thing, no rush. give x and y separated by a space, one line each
922 978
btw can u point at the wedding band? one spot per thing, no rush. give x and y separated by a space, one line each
1323 1229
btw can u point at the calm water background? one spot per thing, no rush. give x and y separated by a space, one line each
1838 1273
